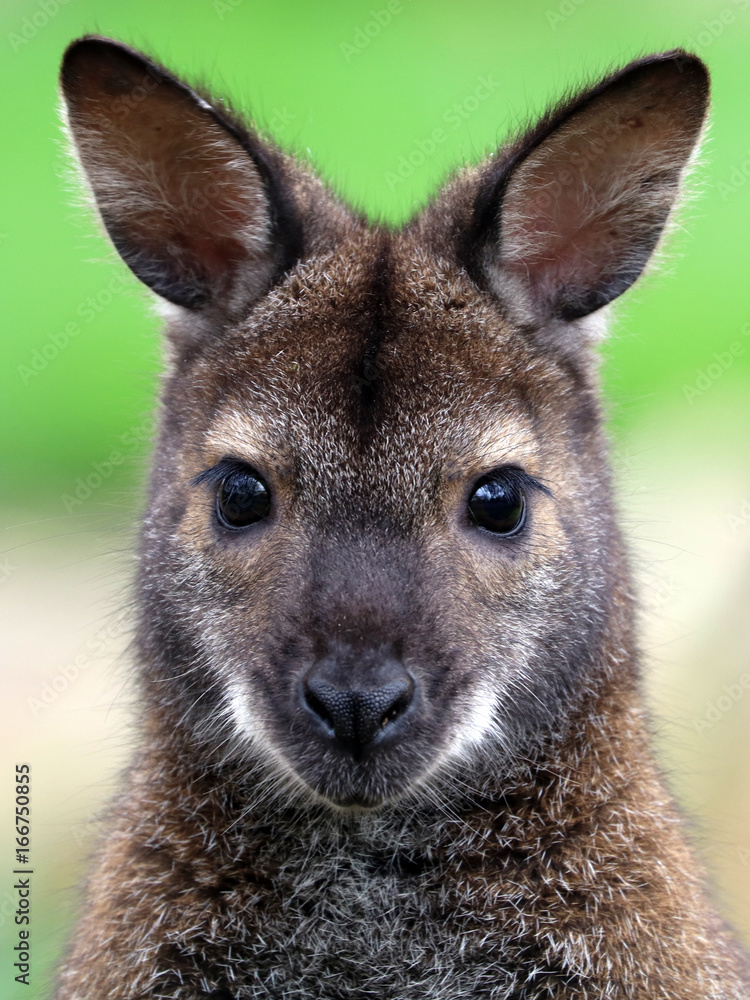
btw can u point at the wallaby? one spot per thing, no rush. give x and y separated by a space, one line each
392 735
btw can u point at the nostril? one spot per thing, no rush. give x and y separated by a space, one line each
398 708
376 709
335 707
356 717
397 697
317 707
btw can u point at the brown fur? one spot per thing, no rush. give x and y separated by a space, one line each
510 837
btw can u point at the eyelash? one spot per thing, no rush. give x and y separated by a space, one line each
513 475
216 475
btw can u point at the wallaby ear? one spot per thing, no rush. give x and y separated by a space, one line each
568 220
191 201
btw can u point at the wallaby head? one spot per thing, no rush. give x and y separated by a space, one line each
380 547
392 742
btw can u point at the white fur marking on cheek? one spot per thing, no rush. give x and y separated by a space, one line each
482 721
479 721
241 715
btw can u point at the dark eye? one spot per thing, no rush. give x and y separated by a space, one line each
497 505
243 499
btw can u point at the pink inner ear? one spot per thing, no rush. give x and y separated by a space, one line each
575 221
219 257
175 188
582 212
203 213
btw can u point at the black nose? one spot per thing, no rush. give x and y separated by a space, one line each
356 717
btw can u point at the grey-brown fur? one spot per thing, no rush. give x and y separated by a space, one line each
507 835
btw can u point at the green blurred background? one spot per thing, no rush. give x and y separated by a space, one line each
358 88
